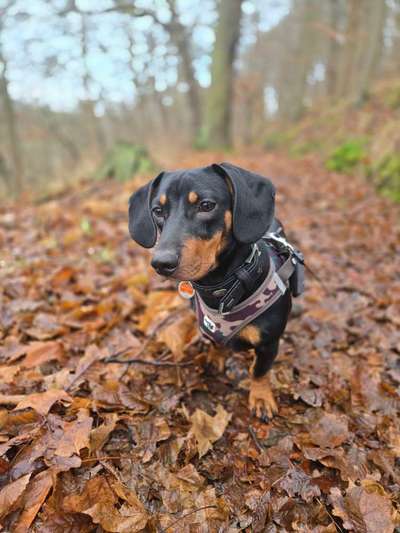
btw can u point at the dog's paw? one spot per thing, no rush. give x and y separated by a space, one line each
261 399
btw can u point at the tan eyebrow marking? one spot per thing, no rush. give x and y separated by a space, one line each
192 197
163 199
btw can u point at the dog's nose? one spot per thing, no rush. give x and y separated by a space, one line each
165 263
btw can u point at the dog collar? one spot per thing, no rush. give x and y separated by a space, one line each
241 281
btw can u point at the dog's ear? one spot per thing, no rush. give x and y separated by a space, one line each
253 202
142 227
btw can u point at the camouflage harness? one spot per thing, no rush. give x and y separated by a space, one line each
221 325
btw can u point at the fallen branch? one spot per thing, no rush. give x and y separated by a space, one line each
259 446
147 362
114 358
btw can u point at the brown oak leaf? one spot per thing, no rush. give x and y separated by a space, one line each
208 429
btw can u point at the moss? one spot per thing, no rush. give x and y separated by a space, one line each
125 160
298 150
386 174
393 98
278 139
348 155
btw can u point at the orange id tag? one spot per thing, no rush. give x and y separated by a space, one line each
185 289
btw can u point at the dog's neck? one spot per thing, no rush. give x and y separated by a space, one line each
232 257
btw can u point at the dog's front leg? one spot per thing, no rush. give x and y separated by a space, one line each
261 398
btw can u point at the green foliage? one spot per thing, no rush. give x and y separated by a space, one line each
387 176
278 139
201 140
308 147
125 160
393 98
86 226
347 156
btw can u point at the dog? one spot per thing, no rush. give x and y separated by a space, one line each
208 227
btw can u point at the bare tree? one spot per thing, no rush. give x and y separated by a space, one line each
219 99
352 45
334 45
89 104
10 116
180 37
375 22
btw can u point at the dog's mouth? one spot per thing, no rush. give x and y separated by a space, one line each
188 272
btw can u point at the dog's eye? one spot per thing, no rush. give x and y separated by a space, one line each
206 205
158 211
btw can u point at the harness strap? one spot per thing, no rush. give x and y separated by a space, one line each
220 328
221 324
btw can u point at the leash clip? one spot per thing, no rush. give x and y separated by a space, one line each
281 240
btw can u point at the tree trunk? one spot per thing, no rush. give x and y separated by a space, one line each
59 135
219 99
352 45
375 22
12 129
299 57
88 105
332 63
181 39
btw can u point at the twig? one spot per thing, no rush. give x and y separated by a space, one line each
81 373
349 288
106 458
188 514
258 444
334 521
146 362
114 358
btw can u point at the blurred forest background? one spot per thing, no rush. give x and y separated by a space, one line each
81 79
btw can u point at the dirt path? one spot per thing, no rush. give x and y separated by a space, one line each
83 442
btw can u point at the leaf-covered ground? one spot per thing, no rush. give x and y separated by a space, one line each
87 445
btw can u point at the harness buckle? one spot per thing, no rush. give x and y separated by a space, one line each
254 251
221 309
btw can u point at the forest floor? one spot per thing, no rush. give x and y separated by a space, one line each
87 445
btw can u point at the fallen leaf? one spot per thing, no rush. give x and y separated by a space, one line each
38 353
99 435
45 326
179 334
10 494
363 511
330 431
151 432
76 435
100 502
208 429
298 483
92 355
42 402
37 492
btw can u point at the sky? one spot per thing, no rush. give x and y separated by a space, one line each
44 57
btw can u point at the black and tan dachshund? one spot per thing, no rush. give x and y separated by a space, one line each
203 224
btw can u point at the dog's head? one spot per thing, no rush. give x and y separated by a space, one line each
192 216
